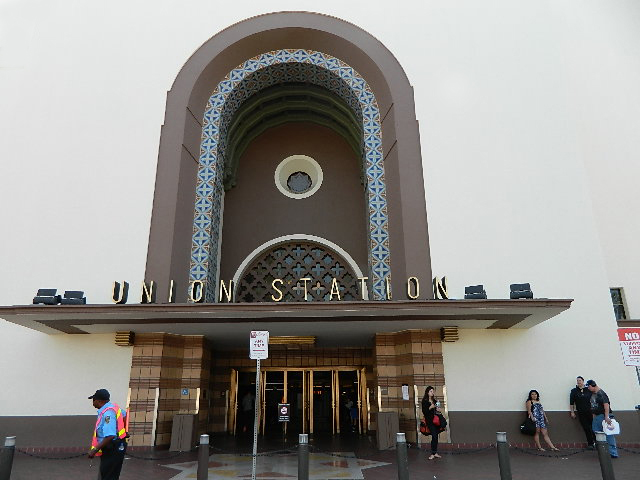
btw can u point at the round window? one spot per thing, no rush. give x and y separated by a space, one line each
298 176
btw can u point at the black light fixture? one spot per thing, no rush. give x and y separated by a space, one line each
521 290
73 297
47 296
474 292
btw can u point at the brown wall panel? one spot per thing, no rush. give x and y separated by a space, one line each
255 211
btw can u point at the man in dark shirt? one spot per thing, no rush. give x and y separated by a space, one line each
580 406
601 410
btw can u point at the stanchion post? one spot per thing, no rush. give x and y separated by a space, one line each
303 456
203 458
503 456
603 455
402 456
6 457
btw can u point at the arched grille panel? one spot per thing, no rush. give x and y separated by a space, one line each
291 262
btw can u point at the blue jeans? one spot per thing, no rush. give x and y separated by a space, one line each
596 425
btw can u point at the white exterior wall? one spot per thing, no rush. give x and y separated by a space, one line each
513 98
54 374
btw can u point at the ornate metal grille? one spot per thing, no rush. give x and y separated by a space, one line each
290 262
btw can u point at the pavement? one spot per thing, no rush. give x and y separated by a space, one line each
330 458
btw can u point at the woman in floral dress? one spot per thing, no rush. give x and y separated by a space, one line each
537 414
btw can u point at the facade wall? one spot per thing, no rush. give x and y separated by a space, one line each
414 358
527 113
255 211
162 366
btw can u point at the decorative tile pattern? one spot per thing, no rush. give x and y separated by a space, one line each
247 79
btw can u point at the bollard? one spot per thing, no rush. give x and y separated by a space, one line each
203 458
402 456
6 457
303 456
503 456
603 455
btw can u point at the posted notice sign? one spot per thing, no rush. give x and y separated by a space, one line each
629 339
259 345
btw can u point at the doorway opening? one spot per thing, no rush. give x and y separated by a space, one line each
321 401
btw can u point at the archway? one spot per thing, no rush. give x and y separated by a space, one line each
240 84
171 234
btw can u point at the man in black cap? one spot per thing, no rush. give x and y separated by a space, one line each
601 410
109 436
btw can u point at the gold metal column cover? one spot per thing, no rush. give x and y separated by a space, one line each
233 401
263 399
311 401
305 402
362 394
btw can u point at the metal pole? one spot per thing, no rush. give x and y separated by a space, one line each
6 457
255 421
203 458
402 456
503 456
303 456
603 455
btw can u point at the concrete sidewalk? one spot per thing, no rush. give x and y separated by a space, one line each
362 462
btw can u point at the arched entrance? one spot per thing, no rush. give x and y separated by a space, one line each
283 67
176 253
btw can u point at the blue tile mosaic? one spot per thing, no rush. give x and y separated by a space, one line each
255 74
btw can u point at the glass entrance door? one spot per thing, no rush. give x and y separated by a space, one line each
322 401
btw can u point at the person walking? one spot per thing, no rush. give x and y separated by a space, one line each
537 414
109 436
430 408
580 408
601 411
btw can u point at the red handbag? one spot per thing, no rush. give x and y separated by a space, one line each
436 420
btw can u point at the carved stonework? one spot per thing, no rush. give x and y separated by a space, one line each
292 261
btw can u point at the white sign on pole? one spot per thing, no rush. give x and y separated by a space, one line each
629 339
259 345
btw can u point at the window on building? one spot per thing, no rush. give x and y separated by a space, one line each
617 298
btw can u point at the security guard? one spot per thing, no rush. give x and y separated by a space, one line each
109 436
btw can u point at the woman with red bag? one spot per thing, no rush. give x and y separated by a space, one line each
430 408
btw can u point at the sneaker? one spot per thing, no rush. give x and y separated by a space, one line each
614 456
591 447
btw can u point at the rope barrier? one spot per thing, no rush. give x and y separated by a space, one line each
42 457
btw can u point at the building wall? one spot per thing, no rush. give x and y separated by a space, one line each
255 211
49 377
527 113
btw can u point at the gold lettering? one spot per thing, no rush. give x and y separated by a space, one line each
416 287
305 280
227 292
148 294
363 286
273 284
196 291
440 288
172 292
335 289
388 284
120 292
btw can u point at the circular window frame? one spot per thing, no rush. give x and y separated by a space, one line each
298 163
